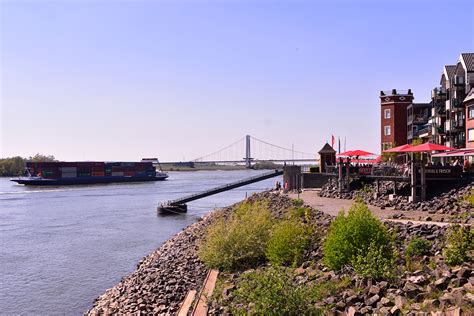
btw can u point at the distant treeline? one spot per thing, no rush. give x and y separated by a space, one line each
13 166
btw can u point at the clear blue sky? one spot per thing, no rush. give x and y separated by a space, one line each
118 80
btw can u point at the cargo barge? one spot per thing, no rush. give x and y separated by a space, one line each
88 172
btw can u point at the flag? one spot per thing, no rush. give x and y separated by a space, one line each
332 141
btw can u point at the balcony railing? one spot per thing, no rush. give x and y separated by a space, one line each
419 119
439 93
456 103
458 124
425 130
441 111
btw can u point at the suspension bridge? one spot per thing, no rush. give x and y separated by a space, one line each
250 150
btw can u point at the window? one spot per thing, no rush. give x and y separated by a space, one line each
470 112
470 135
387 130
387 113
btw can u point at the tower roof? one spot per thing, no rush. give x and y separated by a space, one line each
327 149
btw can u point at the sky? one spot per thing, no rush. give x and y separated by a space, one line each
122 80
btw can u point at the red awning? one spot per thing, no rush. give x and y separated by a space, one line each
398 149
455 153
426 147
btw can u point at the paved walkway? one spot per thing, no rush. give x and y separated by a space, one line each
333 206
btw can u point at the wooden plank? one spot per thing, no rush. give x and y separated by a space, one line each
186 305
209 284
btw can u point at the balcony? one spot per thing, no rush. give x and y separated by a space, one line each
458 124
441 111
457 104
424 130
420 119
439 94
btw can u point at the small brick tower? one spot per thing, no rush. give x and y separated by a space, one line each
393 124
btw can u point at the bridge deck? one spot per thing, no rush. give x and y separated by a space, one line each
223 188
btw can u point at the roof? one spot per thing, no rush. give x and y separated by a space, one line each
327 149
449 70
467 59
470 96
420 105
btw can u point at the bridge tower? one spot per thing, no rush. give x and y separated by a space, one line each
248 159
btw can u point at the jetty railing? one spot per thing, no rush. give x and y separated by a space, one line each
225 187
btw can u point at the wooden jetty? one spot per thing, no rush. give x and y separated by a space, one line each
179 206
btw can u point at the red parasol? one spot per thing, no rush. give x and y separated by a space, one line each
361 153
426 147
355 153
398 149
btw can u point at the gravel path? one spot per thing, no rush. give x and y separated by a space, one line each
333 206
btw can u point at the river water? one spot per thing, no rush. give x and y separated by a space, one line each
61 247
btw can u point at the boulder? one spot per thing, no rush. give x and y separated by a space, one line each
371 301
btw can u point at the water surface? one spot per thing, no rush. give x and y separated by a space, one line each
61 247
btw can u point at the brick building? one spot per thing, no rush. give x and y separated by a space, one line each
393 105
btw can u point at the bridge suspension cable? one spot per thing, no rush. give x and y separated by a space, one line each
280 147
258 150
218 152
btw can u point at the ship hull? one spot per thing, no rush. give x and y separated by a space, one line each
87 180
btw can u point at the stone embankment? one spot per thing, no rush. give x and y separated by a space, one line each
451 203
432 285
163 278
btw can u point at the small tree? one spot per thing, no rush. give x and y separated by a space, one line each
459 244
288 242
240 241
356 239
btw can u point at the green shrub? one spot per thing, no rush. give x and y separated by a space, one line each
418 247
298 202
272 292
459 244
469 198
239 242
351 237
375 262
288 242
